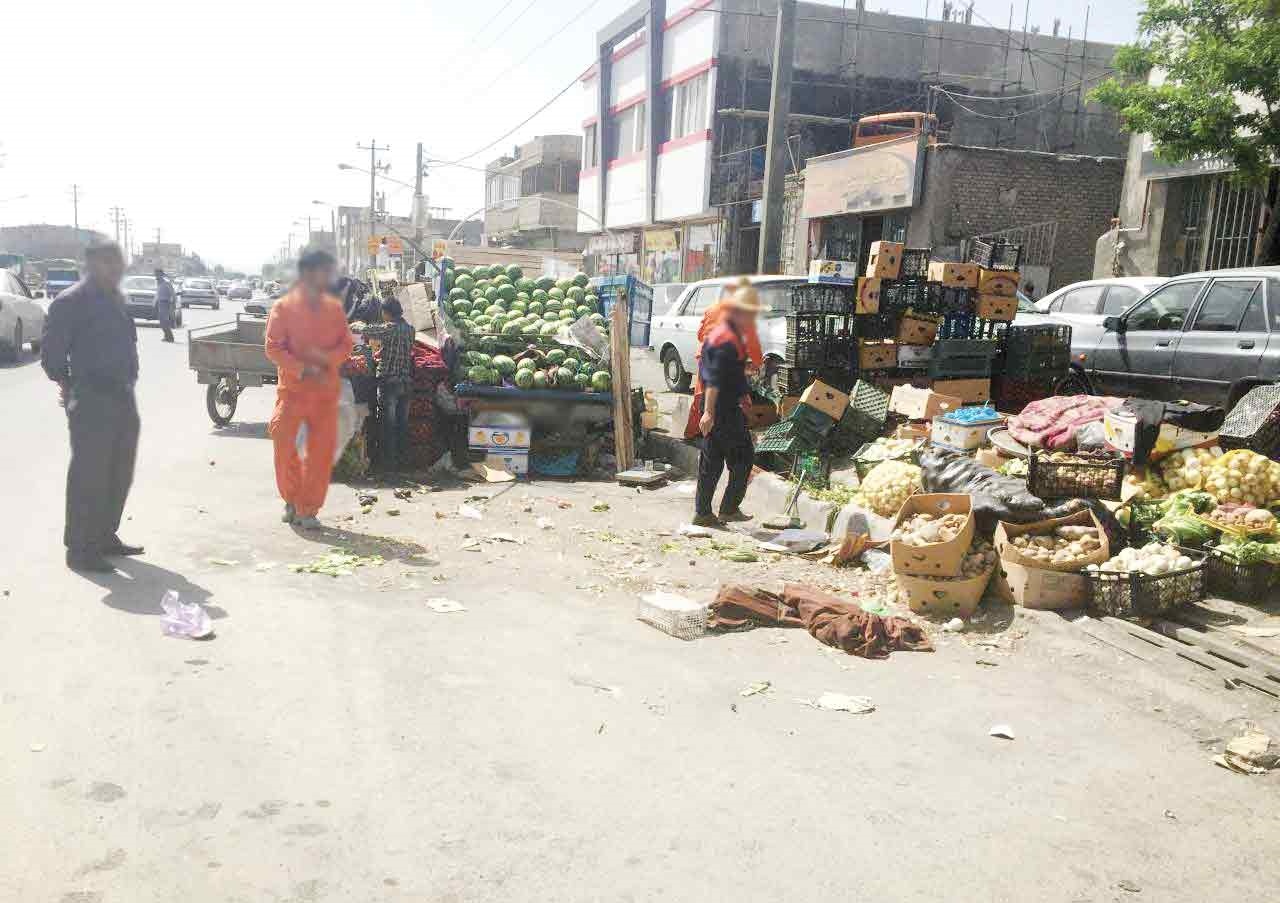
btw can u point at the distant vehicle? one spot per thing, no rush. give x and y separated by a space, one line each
199 291
260 306
222 286
674 333
891 126
21 317
140 299
240 290
60 276
1207 337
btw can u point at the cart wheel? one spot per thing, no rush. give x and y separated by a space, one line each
220 400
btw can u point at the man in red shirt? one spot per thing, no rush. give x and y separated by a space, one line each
307 340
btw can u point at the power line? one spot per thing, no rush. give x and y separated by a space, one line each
506 135
1007 116
494 17
508 26
536 47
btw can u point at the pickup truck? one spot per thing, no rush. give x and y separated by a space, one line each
1204 337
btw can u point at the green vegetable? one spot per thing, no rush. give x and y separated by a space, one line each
582 280
600 381
575 294
466 283
740 557
564 378
582 381
557 293
514 273
507 293
504 365
572 363
526 363
540 380
556 356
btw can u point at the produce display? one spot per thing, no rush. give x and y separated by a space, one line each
1186 469
1242 518
888 485
1072 475
980 559
889 449
923 529
1060 548
1243 476
1154 559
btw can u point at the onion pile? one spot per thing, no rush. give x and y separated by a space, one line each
1245 477
888 485
1188 467
1154 558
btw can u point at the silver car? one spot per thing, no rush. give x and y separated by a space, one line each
1084 305
199 291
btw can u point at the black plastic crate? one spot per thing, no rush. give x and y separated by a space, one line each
1135 595
903 294
915 264
1226 577
995 254
882 325
1019 340
794 380
1040 365
1254 423
960 368
809 355
823 298
1012 394
968 326
1083 476
788 437
818 326
950 299
810 420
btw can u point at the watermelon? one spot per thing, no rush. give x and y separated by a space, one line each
477 375
476 294
523 296
582 381
524 379
582 311
582 280
564 378
530 329
526 285
512 328
480 272
457 294
536 307
575 294
557 293
549 329
564 284
540 380
566 315
597 319
592 301
527 363
546 282
477 359
514 273
461 306
556 356
601 381
501 279
504 365
572 363
507 293
466 282
539 295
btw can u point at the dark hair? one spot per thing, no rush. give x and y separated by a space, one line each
393 307
314 259
101 248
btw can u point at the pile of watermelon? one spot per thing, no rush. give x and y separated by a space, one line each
557 369
500 301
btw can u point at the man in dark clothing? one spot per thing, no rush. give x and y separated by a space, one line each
90 349
726 438
164 304
395 381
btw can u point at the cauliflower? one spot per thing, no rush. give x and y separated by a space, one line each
888 485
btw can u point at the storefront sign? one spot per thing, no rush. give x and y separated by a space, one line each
882 176
661 240
661 256
392 243
613 243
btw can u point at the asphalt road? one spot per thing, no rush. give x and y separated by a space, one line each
340 740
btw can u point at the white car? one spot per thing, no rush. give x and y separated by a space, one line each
673 334
1084 305
21 317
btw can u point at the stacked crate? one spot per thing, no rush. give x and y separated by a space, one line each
820 337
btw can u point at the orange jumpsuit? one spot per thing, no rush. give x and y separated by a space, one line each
755 357
295 328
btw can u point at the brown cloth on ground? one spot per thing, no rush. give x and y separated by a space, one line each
828 619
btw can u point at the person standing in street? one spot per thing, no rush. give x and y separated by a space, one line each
395 382
165 303
90 349
710 319
307 340
726 439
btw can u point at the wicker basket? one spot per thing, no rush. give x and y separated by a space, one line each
1132 595
1083 477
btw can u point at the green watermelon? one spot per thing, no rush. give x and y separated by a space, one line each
601 381
546 282
523 296
477 294
501 279
575 294
524 379
536 307
461 306
526 285
582 280
592 301
504 365
477 375
564 378
582 381
527 363
514 273
566 315
507 293
513 328
480 272
466 282
540 380
539 295
557 293
556 356
456 294
572 363
597 319
477 359
564 284
581 311
550 329
530 329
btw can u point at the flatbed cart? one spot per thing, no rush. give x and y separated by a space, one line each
229 358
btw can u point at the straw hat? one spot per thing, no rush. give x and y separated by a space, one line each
745 298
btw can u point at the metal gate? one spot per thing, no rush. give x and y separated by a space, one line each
1233 225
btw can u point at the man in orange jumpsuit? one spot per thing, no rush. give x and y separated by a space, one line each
711 318
307 340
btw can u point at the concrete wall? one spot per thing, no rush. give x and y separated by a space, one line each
971 191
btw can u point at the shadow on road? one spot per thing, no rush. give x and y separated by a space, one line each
137 588
364 544
250 430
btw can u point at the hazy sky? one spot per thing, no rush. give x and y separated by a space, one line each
220 121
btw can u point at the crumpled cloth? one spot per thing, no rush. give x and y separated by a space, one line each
828 619
1052 422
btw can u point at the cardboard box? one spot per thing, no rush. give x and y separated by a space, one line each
954 275
969 391
498 430
921 404
787 405
1027 582
1120 430
914 357
886 259
761 415
1006 533
997 307
991 457
834 272
826 399
962 436
874 355
953 598
939 559
999 282
515 462
917 331
912 431
868 295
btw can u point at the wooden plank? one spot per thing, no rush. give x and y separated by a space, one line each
1172 646
1221 649
620 359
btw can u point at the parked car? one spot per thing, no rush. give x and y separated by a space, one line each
673 334
222 286
1084 305
239 291
260 306
140 299
666 294
21 317
199 291
1207 337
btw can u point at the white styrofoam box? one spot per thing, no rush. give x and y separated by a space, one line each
516 462
961 436
914 356
497 430
838 272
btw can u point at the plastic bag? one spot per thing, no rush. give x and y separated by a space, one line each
350 418
184 619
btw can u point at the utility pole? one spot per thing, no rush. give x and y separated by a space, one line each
157 238
373 148
420 211
116 213
75 204
126 241
776 152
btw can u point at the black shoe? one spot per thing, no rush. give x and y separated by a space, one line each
89 561
708 520
116 547
735 517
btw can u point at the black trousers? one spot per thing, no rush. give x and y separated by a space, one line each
104 429
166 321
729 443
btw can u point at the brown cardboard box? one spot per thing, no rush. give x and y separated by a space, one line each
868 295
886 259
997 307
874 355
954 598
917 331
999 282
761 415
939 559
826 399
991 457
954 275
970 391
921 404
912 431
1027 582
1005 533
787 405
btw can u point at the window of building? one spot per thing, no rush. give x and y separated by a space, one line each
501 188
1225 305
625 133
688 103
590 150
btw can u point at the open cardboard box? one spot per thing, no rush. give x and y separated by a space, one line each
938 559
956 598
921 404
1027 582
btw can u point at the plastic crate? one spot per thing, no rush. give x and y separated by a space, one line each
1254 423
1084 477
1229 579
883 325
673 615
788 437
968 326
947 299
899 295
811 420
1012 394
1040 365
863 421
1133 595
794 380
915 264
823 298
995 254
1020 340
556 464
